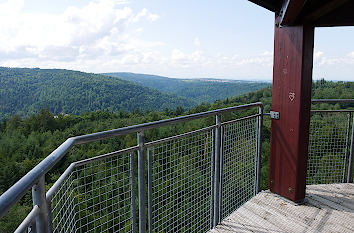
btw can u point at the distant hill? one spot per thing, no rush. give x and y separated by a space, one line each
24 91
200 90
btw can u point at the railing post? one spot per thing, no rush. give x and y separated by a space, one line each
141 182
132 200
39 199
149 189
49 220
221 170
32 227
259 150
351 155
217 175
347 147
212 198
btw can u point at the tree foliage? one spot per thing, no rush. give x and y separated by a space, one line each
26 91
199 90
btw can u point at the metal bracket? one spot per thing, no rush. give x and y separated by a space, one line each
274 115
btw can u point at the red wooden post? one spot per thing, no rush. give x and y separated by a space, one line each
292 81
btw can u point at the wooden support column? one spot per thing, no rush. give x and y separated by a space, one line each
292 81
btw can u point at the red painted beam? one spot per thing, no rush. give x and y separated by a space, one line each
292 81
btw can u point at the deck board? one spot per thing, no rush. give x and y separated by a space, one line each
328 208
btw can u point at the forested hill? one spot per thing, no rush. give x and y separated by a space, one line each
24 91
200 90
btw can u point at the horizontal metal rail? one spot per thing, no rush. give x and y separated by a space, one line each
105 156
150 144
344 110
28 220
328 101
61 179
241 119
332 101
18 190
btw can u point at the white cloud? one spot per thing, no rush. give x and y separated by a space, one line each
318 55
267 54
333 67
179 58
263 59
104 36
97 31
153 17
177 55
144 13
350 57
201 64
321 59
197 42
139 30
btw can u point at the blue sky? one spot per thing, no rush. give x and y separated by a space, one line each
183 39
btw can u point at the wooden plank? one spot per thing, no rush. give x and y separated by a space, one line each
333 220
345 189
261 223
268 212
325 203
231 226
304 218
309 217
292 81
282 220
254 224
329 194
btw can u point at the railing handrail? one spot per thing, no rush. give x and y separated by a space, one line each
332 101
18 190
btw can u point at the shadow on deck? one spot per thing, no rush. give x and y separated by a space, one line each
327 208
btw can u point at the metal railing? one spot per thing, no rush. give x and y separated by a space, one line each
194 180
330 158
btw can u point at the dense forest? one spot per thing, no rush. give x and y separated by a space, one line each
199 90
24 142
25 91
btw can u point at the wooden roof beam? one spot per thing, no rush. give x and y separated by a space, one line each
342 16
290 10
324 10
272 5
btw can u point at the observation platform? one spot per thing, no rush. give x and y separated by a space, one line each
327 208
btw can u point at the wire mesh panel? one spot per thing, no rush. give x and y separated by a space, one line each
181 184
63 205
328 147
239 155
95 197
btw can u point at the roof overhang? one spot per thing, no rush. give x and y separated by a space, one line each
320 13
272 5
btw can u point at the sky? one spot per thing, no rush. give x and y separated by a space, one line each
176 38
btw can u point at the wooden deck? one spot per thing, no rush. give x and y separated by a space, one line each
327 208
